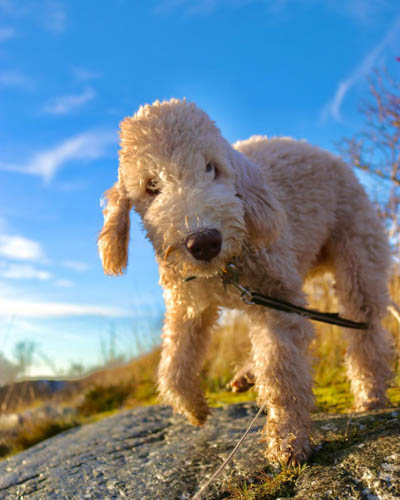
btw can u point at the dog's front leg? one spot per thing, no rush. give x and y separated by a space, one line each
284 382
185 341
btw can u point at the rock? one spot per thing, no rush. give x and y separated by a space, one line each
149 454
359 458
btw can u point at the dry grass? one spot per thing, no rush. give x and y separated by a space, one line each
133 383
93 397
230 346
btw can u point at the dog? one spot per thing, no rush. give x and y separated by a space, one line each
280 210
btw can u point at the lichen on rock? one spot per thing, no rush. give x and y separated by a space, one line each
149 453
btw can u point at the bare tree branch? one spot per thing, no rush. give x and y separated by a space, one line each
376 149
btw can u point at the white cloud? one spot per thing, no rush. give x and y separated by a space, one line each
76 265
54 16
9 290
65 283
85 146
24 271
3 224
20 248
65 104
193 7
36 309
333 107
6 34
363 11
84 74
13 78
49 14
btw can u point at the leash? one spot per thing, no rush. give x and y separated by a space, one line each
230 276
203 489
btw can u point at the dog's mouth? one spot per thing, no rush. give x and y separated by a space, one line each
200 255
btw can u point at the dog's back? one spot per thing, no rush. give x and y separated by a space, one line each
320 193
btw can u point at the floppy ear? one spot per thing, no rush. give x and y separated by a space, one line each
114 237
264 214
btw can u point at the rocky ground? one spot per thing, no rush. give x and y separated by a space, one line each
147 453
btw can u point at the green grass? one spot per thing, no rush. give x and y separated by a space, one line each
335 398
267 485
224 397
134 384
37 433
100 399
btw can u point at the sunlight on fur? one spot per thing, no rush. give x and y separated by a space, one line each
281 210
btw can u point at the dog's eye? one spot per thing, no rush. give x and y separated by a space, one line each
211 168
152 187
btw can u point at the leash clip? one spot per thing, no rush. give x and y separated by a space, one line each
230 276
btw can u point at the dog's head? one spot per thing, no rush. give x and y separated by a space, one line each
200 200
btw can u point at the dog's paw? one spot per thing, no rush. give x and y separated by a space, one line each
286 444
242 381
199 416
370 404
288 451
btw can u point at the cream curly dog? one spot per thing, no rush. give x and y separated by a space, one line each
280 209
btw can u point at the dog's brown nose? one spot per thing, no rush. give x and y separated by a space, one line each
204 245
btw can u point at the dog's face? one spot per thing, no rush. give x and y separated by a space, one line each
187 184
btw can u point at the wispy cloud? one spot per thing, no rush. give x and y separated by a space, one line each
363 11
68 103
198 7
86 146
6 34
23 272
201 7
54 16
13 78
76 265
65 283
39 309
50 15
20 248
84 74
333 107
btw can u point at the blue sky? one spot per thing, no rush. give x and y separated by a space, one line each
71 70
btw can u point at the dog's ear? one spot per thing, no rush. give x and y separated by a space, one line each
114 237
264 214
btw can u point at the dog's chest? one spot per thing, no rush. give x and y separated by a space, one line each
203 293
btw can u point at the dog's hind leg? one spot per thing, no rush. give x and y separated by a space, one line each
243 379
185 341
361 271
283 381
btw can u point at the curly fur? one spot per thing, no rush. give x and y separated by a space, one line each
284 209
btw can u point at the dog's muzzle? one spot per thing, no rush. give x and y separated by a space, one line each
204 245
